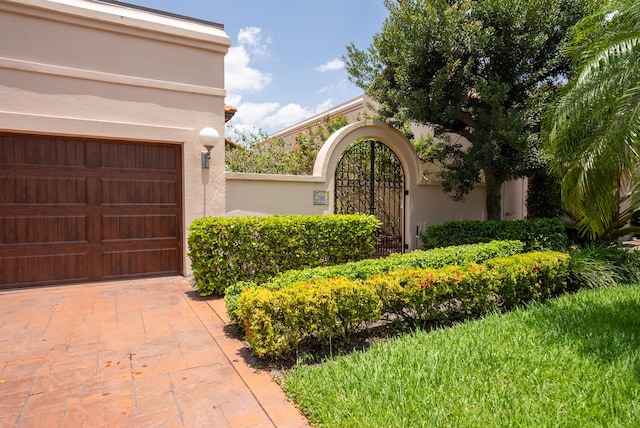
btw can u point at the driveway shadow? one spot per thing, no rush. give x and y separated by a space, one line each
216 303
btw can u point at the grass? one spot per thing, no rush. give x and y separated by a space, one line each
571 362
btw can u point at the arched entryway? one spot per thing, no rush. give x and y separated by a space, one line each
369 179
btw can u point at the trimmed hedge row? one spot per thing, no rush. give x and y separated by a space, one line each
278 322
225 250
364 269
457 254
537 234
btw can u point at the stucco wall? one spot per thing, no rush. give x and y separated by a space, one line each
265 194
83 68
426 203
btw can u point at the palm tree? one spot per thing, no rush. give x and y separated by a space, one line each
595 123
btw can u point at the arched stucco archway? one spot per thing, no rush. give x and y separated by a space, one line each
425 203
339 141
334 148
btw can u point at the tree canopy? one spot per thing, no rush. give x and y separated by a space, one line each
594 126
261 154
470 68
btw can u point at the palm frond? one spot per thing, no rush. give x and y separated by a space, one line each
595 126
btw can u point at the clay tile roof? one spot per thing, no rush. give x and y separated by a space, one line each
229 111
230 144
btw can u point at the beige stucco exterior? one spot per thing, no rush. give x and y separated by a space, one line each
101 70
105 70
426 203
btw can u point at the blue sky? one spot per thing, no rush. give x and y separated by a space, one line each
285 62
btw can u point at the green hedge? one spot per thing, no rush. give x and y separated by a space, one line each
455 255
225 250
537 234
279 322
421 296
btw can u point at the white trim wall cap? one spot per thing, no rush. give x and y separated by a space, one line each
339 141
129 19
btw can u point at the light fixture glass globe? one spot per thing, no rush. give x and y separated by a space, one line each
209 137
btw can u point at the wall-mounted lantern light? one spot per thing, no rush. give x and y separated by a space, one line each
209 137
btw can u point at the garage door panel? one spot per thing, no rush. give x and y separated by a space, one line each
20 150
149 157
43 269
136 227
139 192
75 209
157 261
39 190
43 229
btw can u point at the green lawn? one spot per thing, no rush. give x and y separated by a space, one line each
572 362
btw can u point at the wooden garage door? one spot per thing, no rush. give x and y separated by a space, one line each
75 210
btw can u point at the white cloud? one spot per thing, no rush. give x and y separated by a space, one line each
233 99
255 112
333 65
240 76
249 35
253 40
243 77
288 115
272 116
339 89
248 116
324 106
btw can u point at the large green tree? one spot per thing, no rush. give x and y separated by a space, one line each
595 124
469 68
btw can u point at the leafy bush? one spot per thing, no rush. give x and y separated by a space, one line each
278 322
627 262
362 270
530 276
420 296
231 295
439 257
259 153
537 234
224 251
544 198
602 265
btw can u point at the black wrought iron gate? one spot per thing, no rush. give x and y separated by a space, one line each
370 180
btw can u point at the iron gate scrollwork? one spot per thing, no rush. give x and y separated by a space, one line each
369 179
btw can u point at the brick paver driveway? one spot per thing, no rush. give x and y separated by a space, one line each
130 353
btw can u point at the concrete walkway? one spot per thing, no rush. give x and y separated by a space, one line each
142 353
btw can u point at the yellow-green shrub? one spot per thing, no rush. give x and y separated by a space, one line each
434 258
277 322
423 295
530 276
362 270
420 296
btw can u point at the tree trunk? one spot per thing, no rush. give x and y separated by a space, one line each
494 196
